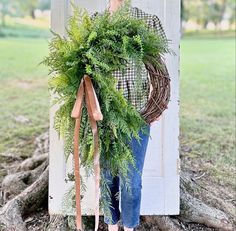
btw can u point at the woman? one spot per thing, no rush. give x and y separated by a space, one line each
130 203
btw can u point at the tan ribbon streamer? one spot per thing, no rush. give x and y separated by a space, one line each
94 113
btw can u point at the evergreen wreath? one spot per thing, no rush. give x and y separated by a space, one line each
98 47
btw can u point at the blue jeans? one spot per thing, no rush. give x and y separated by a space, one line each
130 200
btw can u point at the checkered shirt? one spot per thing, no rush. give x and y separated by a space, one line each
127 80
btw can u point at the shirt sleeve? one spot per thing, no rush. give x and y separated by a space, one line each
158 27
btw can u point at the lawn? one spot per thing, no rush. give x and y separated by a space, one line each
23 93
206 109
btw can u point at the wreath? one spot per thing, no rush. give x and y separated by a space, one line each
91 51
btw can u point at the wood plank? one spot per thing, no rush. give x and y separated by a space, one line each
56 147
171 116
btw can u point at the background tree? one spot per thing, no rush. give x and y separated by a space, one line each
29 6
232 7
44 4
205 11
7 8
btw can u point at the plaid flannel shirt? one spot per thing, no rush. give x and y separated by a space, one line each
126 81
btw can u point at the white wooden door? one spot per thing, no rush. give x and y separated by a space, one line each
160 192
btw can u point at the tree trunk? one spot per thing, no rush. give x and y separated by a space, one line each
32 14
222 11
3 19
27 201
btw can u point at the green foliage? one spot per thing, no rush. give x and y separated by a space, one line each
27 7
98 47
17 8
7 8
44 4
204 11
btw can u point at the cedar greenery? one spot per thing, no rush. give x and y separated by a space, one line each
97 47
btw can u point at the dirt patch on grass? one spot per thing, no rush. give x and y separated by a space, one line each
203 172
26 84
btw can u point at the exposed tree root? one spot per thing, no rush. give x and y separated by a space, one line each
194 210
154 223
27 188
28 200
58 223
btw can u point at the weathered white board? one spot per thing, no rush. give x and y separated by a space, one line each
160 192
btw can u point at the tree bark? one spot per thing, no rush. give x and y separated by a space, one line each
27 201
3 19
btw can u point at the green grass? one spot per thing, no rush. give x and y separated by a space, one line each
207 34
25 27
24 31
23 92
208 103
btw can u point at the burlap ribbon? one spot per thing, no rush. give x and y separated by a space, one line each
94 113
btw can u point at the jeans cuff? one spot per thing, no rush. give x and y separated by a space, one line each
109 222
130 226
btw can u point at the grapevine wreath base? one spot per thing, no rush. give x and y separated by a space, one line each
160 94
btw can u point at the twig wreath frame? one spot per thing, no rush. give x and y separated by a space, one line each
160 95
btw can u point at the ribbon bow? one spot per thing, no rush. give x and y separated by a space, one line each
94 113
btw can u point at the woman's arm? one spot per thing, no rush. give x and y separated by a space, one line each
158 27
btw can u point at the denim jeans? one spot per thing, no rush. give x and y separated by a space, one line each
130 200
